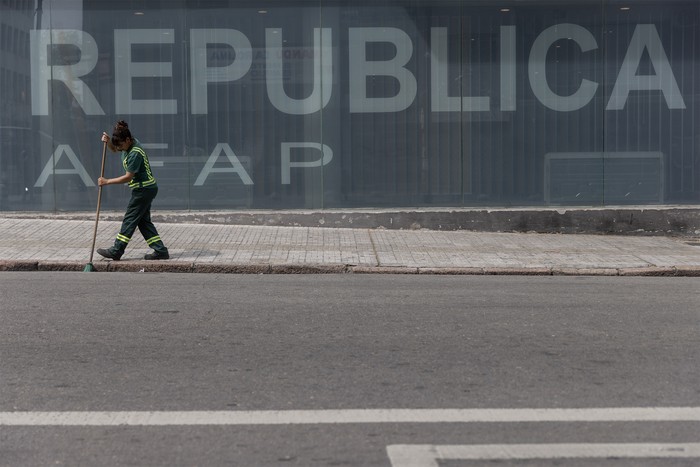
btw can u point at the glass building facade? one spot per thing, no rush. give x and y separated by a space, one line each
353 103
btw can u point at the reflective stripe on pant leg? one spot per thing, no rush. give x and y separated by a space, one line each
123 238
153 240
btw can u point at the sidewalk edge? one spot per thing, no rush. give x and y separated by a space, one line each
216 268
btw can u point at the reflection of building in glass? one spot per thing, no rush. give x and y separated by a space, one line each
16 20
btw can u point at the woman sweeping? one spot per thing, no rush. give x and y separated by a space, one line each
143 190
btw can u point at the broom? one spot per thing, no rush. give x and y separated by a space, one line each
89 267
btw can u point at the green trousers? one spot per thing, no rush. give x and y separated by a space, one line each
138 214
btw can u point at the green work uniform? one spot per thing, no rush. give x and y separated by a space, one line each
143 190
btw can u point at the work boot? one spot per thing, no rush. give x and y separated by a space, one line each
157 255
110 253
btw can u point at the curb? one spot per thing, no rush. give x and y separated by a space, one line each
214 268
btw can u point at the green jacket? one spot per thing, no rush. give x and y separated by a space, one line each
135 161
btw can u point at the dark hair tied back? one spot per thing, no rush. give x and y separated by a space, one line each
120 133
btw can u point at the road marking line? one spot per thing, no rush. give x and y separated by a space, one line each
426 455
305 417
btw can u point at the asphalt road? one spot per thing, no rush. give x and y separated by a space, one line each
89 344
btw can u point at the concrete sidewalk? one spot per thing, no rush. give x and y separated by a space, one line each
31 244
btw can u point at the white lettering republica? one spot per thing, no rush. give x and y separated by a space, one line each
537 69
203 74
396 68
43 72
126 70
646 37
322 75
